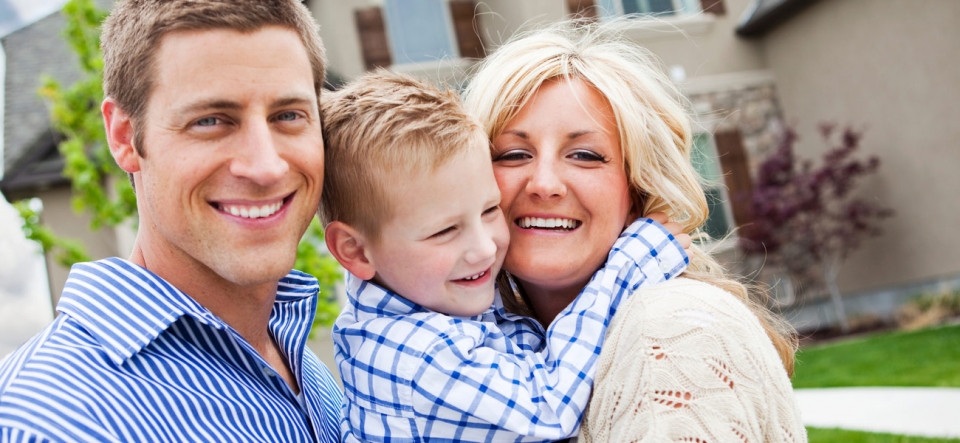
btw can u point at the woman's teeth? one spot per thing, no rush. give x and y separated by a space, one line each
252 211
549 223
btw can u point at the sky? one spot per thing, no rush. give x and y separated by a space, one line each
24 294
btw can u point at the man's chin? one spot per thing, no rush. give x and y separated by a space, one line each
254 271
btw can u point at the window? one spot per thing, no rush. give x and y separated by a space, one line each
637 8
418 31
705 161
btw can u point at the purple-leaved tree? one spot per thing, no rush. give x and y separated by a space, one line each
807 218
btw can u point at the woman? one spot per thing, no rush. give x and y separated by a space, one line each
587 134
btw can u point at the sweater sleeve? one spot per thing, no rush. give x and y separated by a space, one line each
687 361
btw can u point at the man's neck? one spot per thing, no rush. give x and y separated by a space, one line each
246 309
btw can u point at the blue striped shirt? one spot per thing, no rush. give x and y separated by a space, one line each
132 358
411 374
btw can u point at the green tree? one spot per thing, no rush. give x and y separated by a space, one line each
75 113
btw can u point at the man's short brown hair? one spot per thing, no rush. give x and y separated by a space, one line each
133 31
381 128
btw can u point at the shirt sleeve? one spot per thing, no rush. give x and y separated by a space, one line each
15 435
543 394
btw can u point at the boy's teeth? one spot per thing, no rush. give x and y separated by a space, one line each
549 223
474 277
252 211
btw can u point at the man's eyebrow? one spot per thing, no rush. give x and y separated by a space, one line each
204 105
293 100
229 105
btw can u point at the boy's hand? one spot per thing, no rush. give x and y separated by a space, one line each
674 228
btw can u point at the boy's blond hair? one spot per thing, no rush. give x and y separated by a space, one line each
382 128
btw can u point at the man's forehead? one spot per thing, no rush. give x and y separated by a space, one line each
212 67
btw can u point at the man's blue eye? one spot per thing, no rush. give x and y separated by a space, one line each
287 116
207 121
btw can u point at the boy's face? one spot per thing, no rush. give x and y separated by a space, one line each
446 241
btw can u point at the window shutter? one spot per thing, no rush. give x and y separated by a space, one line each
465 25
736 174
582 9
373 38
713 7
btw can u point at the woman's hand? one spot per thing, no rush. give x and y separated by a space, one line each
674 228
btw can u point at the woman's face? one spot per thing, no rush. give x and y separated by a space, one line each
565 192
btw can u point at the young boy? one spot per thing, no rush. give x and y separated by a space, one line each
424 347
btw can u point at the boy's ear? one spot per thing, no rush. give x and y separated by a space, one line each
349 247
119 130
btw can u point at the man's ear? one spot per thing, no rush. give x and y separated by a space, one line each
350 248
120 136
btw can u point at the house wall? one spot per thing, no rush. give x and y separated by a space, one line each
59 216
890 67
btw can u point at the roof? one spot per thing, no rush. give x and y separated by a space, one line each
763 15
31 160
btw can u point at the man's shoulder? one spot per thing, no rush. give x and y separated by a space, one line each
33 392
62 342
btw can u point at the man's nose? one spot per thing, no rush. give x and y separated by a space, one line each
258 157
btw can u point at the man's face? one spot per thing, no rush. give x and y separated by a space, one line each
233 154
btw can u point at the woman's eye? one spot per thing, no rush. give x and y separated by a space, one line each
513 155
589 156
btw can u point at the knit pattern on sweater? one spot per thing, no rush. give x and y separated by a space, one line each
685 361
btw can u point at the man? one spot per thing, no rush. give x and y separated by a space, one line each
212 107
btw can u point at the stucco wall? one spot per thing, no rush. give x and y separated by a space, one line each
891 67
59 216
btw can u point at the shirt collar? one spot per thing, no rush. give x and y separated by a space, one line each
370 300
125 307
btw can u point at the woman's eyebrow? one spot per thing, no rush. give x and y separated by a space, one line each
517 133
576 134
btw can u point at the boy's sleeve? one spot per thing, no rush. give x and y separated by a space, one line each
464 385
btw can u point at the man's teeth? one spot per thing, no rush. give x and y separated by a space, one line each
474 277
535 222
252 211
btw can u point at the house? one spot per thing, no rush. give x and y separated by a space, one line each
32 164
750 68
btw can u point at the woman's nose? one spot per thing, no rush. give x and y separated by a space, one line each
546 181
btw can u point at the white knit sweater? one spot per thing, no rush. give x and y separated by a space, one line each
686 361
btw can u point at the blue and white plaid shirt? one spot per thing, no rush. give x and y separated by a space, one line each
412 374
130 358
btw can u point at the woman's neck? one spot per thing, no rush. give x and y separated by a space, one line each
546 303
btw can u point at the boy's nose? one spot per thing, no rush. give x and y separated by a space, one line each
482 249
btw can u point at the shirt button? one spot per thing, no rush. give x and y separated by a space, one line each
664 267
268 371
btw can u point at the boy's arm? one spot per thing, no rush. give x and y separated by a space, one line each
543 394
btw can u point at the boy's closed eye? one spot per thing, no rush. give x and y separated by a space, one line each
446 232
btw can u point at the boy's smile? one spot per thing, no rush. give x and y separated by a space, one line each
447 238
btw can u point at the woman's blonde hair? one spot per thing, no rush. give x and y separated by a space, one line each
654 125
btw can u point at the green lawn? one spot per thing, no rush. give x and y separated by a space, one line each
929 357
817 435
